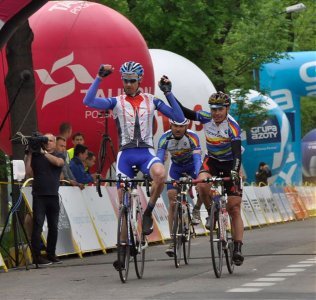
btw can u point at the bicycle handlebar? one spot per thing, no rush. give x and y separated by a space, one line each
123 180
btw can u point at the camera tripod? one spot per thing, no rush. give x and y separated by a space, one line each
106 142
20 234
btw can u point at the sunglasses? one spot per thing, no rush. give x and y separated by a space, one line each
129 80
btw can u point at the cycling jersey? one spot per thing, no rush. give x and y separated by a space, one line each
185 154
219 138
181 150
134 115
223 141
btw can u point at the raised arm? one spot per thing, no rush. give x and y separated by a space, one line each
165 86
96 102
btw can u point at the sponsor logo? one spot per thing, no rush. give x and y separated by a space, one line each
57 91
268 132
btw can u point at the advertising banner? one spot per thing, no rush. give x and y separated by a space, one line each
103 216
80 221
286 81
65 242
249 192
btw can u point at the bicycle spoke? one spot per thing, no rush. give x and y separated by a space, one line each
216 244
177 235
123 248
188 230
139 244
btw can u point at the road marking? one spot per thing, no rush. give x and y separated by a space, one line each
243 290
281 274
259 284
292 270
308 262
298 266
270 279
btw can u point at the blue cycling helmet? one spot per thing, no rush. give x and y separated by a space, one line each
131 68
219 99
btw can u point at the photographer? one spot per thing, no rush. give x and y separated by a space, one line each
262 174
44 164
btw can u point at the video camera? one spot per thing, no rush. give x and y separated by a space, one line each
33 143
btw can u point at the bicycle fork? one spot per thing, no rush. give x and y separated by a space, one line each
136 208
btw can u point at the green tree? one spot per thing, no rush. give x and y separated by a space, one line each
308 114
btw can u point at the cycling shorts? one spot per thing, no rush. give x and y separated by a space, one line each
177 171
221 168
142 158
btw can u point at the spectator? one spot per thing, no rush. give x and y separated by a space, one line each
67 174
77 165
45 164
89 163
65 130
77 138
262 174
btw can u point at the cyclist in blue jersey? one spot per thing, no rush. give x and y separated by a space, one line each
184 147
134 115
223 143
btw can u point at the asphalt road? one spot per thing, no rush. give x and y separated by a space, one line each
280 263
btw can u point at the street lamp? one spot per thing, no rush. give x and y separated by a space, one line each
295 8
289 10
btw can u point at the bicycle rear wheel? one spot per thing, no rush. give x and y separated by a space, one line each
177 235
216 244
188 232
139 243
123 247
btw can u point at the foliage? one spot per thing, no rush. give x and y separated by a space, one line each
308 114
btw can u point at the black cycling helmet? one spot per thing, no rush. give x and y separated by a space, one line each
219 99
131 68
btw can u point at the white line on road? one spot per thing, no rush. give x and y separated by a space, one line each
293 270
259 284
298 266
244 290
270 279
281 274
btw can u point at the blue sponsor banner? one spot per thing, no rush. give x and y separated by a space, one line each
285 82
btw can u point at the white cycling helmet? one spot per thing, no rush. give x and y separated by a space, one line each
185 122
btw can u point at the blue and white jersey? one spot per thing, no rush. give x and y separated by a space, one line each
182 150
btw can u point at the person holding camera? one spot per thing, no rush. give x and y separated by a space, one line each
44 164
263 174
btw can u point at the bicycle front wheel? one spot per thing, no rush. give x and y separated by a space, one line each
139 244
216 244
229 251
188 232
177 235
123 247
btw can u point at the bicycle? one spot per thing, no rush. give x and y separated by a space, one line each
221 241
131 242
183 229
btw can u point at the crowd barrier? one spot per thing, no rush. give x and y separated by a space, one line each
88 222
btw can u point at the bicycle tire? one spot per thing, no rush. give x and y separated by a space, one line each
139 241
122 258
188 230
177 235
215 243
229 251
